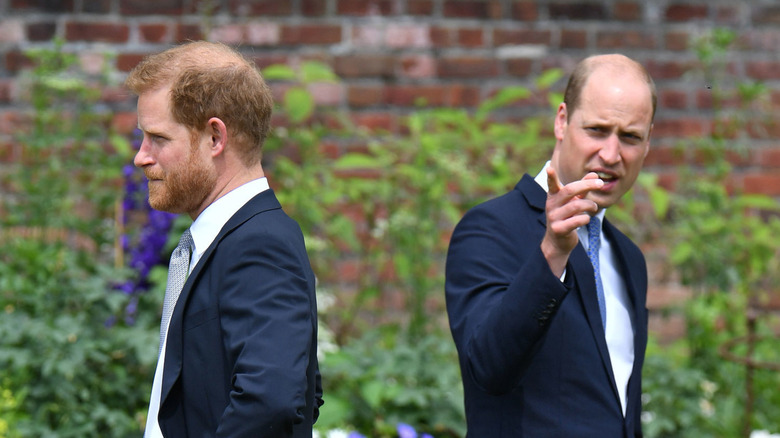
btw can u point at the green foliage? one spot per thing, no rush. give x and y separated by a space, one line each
724 248
69 365
381 204
386 377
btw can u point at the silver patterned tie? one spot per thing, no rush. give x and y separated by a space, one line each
178 269
594 243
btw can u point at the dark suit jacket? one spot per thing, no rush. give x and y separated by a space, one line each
241 358
532 349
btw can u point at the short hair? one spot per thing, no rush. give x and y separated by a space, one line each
584 68
211 80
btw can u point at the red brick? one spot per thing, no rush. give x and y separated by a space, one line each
97 7
762 183
327 93
43 31
313 8
470 37
763 70
266 60
677 40
312 34
463 95
666 327
418 66
679 127
97 32
43 6
362 7
519 67
127 61
674 99
574 39
409 95
727 15
187 32
16 60
243 8
667 296
154 33
506 36
624 39
404 36
766 14
666 69
685 12
375 121
359 96
5 90
441 36
419 7
660 155
769 158
124 122
763 39
480 9
627 11
525 11
468 67
367 36
157 7
231 34
705 99
364 65
578 11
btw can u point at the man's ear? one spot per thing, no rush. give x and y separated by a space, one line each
561 121
218 131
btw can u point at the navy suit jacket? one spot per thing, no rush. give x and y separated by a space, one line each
533 354
241 358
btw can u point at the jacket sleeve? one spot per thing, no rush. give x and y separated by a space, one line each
266 310
501 295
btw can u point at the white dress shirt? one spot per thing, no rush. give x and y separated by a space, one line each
204 230
620 328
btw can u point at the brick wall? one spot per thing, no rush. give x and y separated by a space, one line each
450 52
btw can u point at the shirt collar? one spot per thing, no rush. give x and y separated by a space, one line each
209 223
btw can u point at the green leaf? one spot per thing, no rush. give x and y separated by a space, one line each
502 98
357 161
298 104
548 78
279 72
315 71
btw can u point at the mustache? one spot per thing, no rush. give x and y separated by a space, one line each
152 175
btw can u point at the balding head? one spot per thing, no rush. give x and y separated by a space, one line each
613 64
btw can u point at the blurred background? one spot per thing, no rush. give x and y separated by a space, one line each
393 118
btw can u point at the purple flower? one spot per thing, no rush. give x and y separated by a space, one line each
355 435
406 431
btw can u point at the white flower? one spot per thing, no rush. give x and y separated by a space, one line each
763 434
337 433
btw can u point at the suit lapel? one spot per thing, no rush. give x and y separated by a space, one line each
581 269
264 201
634 290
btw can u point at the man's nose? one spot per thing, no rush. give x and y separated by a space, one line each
610 150
143 158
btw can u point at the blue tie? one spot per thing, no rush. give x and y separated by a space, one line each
594 242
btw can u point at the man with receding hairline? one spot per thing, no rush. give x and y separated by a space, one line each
238 339
546 299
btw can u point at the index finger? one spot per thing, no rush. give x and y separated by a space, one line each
553 182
